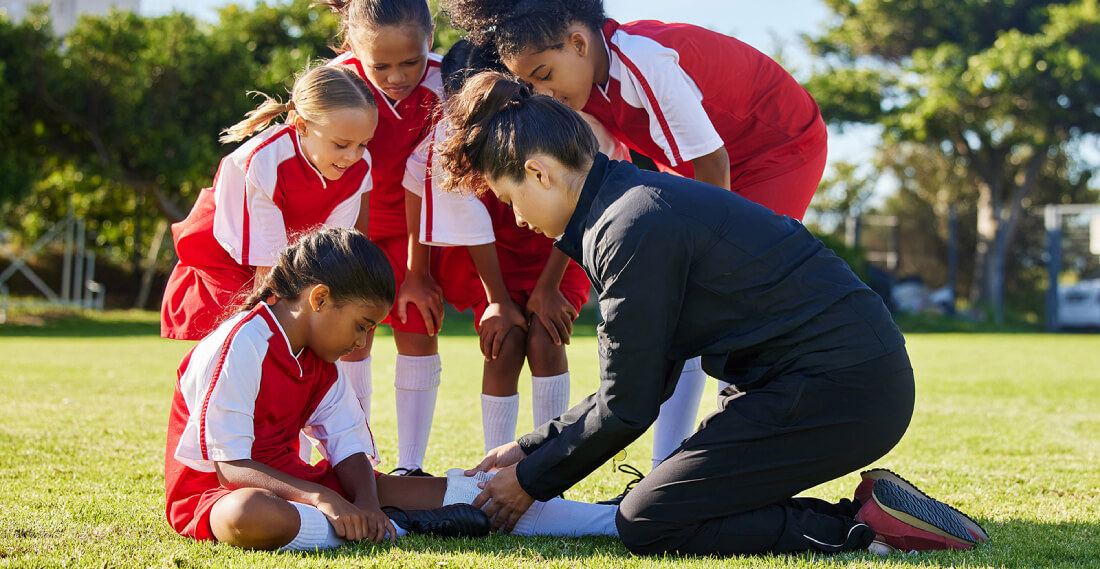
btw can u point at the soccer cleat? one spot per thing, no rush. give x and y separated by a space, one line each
629 485
456 520
908 522
863 495
399 471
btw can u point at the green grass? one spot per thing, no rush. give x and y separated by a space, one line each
1007 428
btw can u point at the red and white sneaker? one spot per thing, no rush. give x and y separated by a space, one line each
863 495
908 522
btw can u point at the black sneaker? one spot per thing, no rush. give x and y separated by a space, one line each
629 485
456 520
408 472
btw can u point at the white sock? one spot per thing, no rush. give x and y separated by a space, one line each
549 397
417 384
358 374
566 518
677 419
314 531
498 419
557 517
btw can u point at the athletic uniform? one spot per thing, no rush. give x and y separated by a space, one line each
678 92
264 193
821 383
402 127
454 220
242 394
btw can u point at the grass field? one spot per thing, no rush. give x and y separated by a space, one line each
1007 428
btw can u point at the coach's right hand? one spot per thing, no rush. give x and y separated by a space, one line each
500 457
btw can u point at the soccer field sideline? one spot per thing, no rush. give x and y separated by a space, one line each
1006 429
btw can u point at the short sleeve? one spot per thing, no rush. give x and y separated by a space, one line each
653 79
340 426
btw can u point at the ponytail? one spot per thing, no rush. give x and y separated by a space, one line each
316 93
350 265
498 122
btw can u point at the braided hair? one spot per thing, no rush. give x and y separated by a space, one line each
350 265
498 122
513 27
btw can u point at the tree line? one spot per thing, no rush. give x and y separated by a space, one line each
984 105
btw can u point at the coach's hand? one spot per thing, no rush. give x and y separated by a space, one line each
503 499
504 455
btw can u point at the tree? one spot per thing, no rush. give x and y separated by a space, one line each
1003 87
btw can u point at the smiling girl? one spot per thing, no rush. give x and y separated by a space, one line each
309 171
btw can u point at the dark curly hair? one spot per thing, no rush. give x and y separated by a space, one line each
498 122
515 26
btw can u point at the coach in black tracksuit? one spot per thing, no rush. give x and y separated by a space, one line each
821 382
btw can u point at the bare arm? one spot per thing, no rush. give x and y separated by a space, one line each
714 168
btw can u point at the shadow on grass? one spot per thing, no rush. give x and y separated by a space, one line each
1014 543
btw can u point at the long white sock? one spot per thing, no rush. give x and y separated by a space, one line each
677 419
358 374
417 384
549 397
305 447
314 531
557 517
498 419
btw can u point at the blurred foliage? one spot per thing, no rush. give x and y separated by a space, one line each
994 93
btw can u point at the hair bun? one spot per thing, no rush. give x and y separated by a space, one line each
503 93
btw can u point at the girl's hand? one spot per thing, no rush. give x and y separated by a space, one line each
554 312
495 323
420 289
352 522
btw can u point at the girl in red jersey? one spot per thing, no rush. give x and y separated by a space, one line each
524 277
290 177
696 102
232 470
387 43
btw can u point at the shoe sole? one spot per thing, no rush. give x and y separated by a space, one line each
924 513
977 532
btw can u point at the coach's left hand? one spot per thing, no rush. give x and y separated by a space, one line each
503 499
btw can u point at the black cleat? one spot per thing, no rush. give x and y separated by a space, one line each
408 472
629 485
456 520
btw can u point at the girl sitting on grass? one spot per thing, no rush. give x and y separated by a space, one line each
232 468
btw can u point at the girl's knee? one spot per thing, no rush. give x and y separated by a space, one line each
543 355
254 519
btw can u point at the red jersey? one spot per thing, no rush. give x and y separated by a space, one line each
242 394
401 127
677 92
264 192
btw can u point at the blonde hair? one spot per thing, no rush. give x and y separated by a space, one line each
316 93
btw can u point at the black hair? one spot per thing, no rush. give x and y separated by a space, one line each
374 14
464 60
516 26
497 122
349 264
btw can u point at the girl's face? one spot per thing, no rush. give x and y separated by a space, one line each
338 144
393 57
542 201
566 73
336 331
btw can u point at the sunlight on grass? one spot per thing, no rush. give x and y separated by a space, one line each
1006 428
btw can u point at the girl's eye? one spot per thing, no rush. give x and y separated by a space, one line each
340 146
546 78
361 328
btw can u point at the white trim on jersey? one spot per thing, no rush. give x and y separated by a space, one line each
250 174
678 98
338 422
457 219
